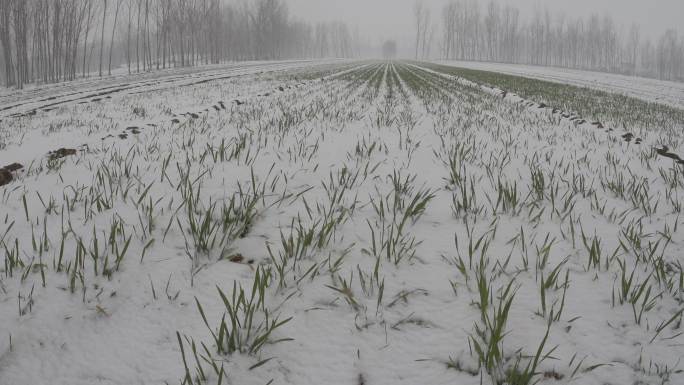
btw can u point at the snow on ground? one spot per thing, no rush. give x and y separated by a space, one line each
652 90
385 223
120 96
120 75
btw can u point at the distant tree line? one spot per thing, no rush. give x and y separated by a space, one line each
498 33
56 40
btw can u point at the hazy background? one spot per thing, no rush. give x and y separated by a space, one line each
393 19
45 41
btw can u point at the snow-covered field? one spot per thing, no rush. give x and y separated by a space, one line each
47 96
652 90
333 223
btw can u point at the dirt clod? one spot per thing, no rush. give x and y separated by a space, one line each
61 153
665 151
13 167
5 177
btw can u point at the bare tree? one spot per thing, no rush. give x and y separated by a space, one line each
550 39
104 20
5 38
88 22
421 16
111 41
634 42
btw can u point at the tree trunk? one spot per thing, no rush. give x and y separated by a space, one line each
111 41
104 20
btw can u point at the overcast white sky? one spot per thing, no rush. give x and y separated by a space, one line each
381 19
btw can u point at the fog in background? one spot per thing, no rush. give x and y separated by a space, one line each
48 41
393 19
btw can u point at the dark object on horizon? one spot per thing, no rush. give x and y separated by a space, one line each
389 49
239 103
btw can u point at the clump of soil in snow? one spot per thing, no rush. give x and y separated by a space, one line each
665 151
61 153
6 175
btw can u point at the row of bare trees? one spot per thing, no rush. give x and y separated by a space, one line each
424 30
498 33
57 40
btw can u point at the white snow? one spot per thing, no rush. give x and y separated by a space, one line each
652 90
325 143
